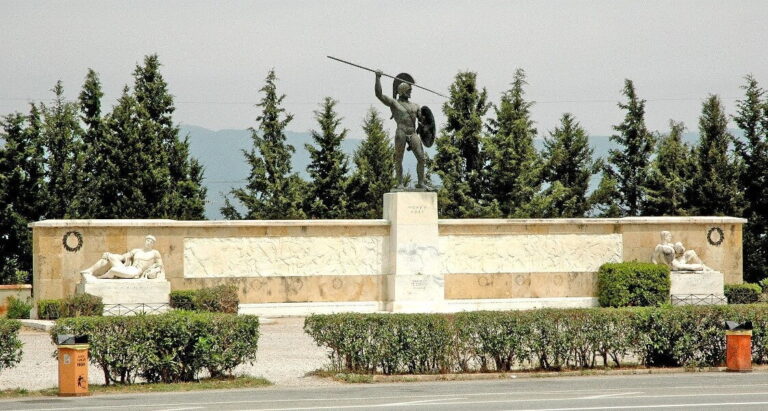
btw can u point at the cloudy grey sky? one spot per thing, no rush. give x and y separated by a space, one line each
217 53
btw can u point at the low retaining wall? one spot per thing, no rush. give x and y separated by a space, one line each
297 267
20 291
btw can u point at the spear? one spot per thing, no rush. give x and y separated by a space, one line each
384 74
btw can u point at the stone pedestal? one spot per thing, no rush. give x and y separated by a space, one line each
415 283
129 296
697 288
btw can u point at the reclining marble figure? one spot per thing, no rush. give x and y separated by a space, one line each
138 263
676 256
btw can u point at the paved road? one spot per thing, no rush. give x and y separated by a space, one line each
679 391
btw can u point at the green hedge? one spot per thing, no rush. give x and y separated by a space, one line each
547 339
171 347
221 299
633 284
17 308
743 293
79 305
10 344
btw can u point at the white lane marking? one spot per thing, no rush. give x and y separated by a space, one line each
637 407
592 397
182 409
433 397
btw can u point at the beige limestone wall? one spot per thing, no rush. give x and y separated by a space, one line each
327 261
21 291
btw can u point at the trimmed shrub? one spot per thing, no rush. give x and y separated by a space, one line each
80 305
10 344
219 299
171 347
17 308
633 284
743 293
543 339
48 309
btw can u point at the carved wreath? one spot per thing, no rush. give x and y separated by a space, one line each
719 237
65 241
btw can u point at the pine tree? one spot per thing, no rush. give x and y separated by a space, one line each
568 168
374 170
62 138
459 162
273 191
627 168
328 166
183 196
752 118
514 165
715 188
669 178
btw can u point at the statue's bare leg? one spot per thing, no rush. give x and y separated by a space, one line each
418 151
118 268
399 151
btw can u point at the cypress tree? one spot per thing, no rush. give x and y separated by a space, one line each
752 119
183 195
328 167
459 162
21 193
273 191
669 179
627 167
95 171
513 163
568 168
374 170
715 188
62 138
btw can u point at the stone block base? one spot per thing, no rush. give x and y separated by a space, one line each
697 288
128 292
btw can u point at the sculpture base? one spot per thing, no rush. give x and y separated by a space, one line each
697 288
132 295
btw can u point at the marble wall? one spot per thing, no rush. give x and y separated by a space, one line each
352 262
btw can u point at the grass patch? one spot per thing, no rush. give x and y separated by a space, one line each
351 378
204 384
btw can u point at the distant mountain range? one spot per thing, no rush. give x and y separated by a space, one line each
220 152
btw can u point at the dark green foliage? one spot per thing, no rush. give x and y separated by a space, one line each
633 284
514 166
80 305
17 308
458 161
752 119
568 167
10 344
544 339
273 191
743 293
327 195
628 165
374 170
97 166
171 347
670 175
715 189
178 192
221 299
65 156
48 309
22 192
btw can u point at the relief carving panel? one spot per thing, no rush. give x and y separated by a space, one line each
283 256
528 253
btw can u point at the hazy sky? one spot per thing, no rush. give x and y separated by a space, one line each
215 54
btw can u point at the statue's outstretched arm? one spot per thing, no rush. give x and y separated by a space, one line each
384 99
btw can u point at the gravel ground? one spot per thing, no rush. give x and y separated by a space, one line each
285 355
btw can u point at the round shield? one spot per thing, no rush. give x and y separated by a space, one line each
399 79
426 127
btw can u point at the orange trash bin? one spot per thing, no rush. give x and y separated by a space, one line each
73 370
738 350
